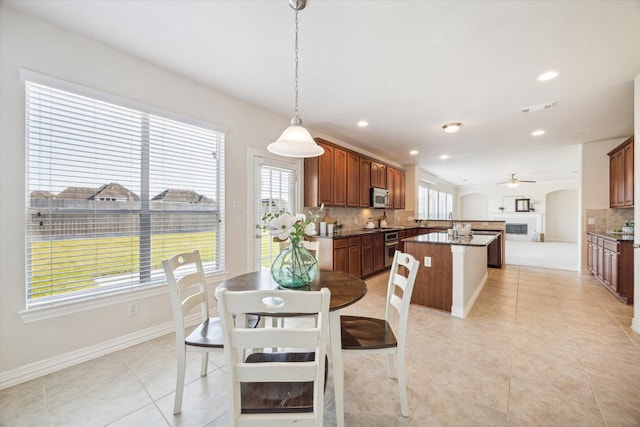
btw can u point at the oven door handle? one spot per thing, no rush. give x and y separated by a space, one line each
391 243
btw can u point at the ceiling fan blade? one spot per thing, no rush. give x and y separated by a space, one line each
532 182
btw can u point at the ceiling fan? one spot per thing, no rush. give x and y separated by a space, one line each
514 182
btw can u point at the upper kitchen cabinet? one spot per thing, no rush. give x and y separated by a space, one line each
621 180
395 186
365 182
378 175
343 178
353 180
318 177
325 177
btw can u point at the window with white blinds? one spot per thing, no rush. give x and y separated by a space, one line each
112 192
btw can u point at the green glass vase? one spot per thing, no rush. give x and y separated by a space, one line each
294 267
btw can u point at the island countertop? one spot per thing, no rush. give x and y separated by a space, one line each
443 238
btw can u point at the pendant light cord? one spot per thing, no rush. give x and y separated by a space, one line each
295 116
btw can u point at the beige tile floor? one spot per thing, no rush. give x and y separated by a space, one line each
540 348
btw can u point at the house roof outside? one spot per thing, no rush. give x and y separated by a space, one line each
177 195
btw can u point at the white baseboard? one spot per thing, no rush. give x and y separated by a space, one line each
635 324
66 360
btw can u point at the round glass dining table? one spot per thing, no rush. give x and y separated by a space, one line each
345 288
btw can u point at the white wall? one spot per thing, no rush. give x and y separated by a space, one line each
559 226
473 206
29 43
496 197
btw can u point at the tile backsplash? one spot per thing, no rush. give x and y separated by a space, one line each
356 218
607 219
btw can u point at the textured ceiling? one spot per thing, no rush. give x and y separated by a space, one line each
407 67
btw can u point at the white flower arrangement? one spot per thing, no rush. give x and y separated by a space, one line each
282 225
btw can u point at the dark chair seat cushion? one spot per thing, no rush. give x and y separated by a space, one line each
279 397
366 333
209 332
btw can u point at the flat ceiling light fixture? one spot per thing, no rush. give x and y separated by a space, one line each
537 132
549 75
444 157
452 127
296 141
363 123
413 152
538 107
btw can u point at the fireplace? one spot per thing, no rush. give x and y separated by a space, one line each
521 225
522 229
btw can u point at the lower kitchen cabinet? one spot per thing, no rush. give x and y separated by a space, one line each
611 263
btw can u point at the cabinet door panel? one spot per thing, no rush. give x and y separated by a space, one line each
628 175
341 259
365 183
353 180
367 259
355 253
340 177
325 176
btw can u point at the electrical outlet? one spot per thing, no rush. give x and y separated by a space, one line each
237 205
592 221
356 220
132 308
427 261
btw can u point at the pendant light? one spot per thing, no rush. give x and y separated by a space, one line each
296 141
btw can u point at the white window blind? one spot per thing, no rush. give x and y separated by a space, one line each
112 192
277 191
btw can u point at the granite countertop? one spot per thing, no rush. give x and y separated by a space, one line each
362 232
611 235
443 238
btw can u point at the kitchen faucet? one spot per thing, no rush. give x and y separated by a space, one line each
451 219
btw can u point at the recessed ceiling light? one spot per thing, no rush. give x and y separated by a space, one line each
444 157
537 132
549 75
413 152
538 107
363 123
452 127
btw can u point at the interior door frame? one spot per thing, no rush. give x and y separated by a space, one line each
252 188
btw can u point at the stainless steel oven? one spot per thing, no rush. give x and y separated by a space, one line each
391 242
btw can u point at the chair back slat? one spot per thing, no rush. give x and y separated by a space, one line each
248 372
403 278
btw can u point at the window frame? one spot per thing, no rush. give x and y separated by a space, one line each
64 305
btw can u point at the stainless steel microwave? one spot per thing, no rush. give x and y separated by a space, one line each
379 198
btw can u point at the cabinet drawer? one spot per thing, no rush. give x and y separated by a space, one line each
612 246
600 241
377 237
355 241
340 243
367 239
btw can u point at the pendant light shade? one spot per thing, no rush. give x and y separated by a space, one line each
296 141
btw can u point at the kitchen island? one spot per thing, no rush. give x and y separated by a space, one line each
453 271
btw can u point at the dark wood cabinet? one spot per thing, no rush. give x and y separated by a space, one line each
494 253
621 180
355 256
395 186
344 178
378 175
353 180
378 252
365 182
318 177
367 255
611 262
340 177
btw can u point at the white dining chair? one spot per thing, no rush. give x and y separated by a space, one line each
281 388
187 289
371 335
